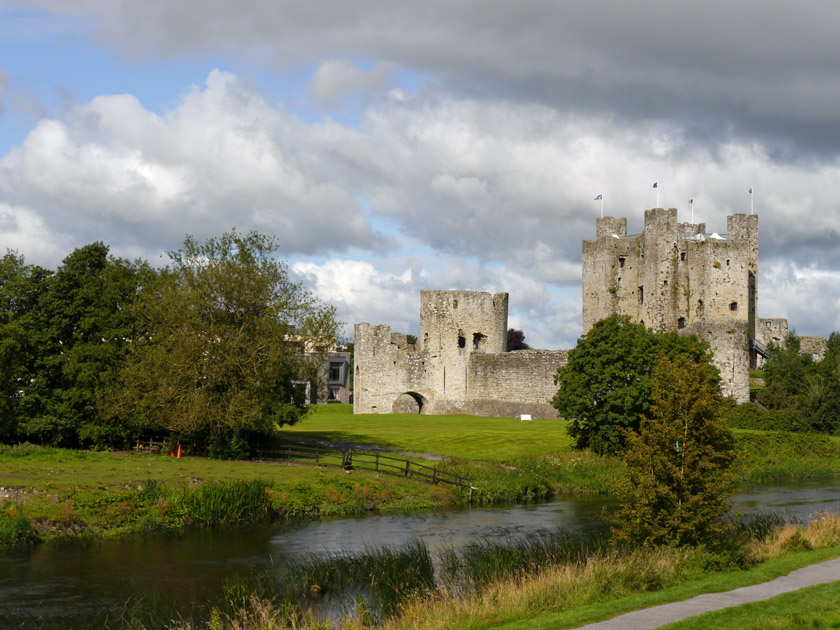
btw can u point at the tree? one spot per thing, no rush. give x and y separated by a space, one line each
786 376
516 340
21 287
822 408
77 323
604 385
228 329
680 462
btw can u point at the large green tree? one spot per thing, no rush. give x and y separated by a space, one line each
228 328
21 287
604 387
786 376
822 408
679 463
80 331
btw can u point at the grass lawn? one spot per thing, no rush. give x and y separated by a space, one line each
467 437
714 583
56 483
813 607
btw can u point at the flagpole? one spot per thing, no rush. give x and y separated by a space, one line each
602 206
751 200
691 205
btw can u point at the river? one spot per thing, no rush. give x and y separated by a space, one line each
63 587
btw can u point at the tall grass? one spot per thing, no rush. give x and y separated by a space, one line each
390 576
483 562
16 532
220 504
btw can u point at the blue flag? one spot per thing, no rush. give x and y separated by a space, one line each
656 184
750 190
599 197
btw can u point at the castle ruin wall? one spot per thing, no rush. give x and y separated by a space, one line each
460 363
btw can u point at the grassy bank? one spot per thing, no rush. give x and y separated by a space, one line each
555 581
56 494
61 495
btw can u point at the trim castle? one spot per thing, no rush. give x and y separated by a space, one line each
672 277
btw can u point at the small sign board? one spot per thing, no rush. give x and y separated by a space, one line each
525 417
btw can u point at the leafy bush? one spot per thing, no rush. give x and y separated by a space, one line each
751 416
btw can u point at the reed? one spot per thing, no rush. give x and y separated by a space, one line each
16 532
483 562
390 576
221 504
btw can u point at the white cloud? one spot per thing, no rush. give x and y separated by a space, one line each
223 157
335 80
808 296
492 194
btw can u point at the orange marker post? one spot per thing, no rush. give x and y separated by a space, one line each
179 451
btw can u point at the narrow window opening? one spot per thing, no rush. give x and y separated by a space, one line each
462 341
665 283
454 304
641 295
733 306
767 324
642 322
681 322
727 262
621 260
682 256
478 340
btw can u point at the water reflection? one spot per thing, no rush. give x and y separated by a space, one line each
58 586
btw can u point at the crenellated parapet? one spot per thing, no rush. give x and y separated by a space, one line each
677 276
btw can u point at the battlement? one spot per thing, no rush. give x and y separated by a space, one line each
676 276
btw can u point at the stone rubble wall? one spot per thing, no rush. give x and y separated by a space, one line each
460 364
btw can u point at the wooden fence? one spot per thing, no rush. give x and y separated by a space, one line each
350 460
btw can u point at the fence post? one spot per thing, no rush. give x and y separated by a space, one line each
407 464
434 475
377 462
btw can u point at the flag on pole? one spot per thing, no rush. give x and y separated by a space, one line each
750 190
656 184
599 197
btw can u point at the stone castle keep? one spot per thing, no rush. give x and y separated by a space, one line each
676 276
671 277
460 363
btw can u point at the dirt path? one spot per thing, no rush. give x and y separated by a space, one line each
657 616
362 446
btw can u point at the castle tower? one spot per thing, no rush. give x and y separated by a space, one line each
675 276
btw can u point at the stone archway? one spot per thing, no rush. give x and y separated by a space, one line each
409 402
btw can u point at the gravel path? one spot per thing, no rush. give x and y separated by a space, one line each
362 446
657 616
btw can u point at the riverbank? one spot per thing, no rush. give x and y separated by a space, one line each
558 581
69 497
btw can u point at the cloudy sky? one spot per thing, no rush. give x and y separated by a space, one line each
397 146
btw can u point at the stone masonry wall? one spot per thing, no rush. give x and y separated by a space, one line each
815 347
512 383
771 330
460 364
674 276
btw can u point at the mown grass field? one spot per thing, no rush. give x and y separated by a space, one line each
467 437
